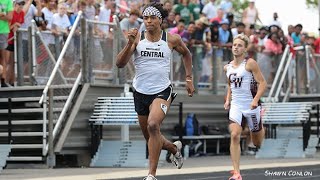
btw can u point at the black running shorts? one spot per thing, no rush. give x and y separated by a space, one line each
143 101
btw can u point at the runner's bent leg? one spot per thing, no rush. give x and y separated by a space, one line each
167 145
258 137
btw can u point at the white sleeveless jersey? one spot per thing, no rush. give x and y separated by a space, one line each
152 65
242 84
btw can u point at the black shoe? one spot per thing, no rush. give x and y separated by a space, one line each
3 84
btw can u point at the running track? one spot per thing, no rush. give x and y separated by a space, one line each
290 173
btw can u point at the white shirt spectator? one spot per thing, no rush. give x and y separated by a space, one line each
90 12
126 25
104 16
275 22
48 15
226 6
210 10
27 20
62 22
29 16
262 42
234 32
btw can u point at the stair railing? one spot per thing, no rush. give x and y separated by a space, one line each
44 97
275 83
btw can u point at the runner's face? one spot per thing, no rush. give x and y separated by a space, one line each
151 22
238 47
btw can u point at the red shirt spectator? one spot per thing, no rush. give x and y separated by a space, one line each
16 21
317 45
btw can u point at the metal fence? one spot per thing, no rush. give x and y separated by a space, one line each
314 73
101 51
63 62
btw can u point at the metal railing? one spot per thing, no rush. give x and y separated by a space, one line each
61 86
94 52
207 68
298 80
274 93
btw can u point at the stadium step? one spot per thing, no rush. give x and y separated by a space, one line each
25 122
5 134
27 110
120 154
31 99
25 158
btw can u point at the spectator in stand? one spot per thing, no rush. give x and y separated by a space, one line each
71 5
81 6
167 5
301 64
184 34
184 11
97 7
239 29
130 22
290 31
230 17
49 10
273 47
262 58
250 15
16 21
275 20
179 29
33 11
200 36
195 9
104 16
6 12
219 17
316 45
250 31
188 34
90 10
226 6
60 21
133 5
253 45
225 43
210 9
123 8
214 29
310 41
170 20
75 68
113 11
61 26
201 30
296 35
263 37
283 39
177 18
274 29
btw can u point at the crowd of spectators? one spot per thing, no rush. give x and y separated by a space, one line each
210 24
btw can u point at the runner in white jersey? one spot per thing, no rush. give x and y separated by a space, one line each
153 91
245 88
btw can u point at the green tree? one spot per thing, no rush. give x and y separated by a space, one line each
312 3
